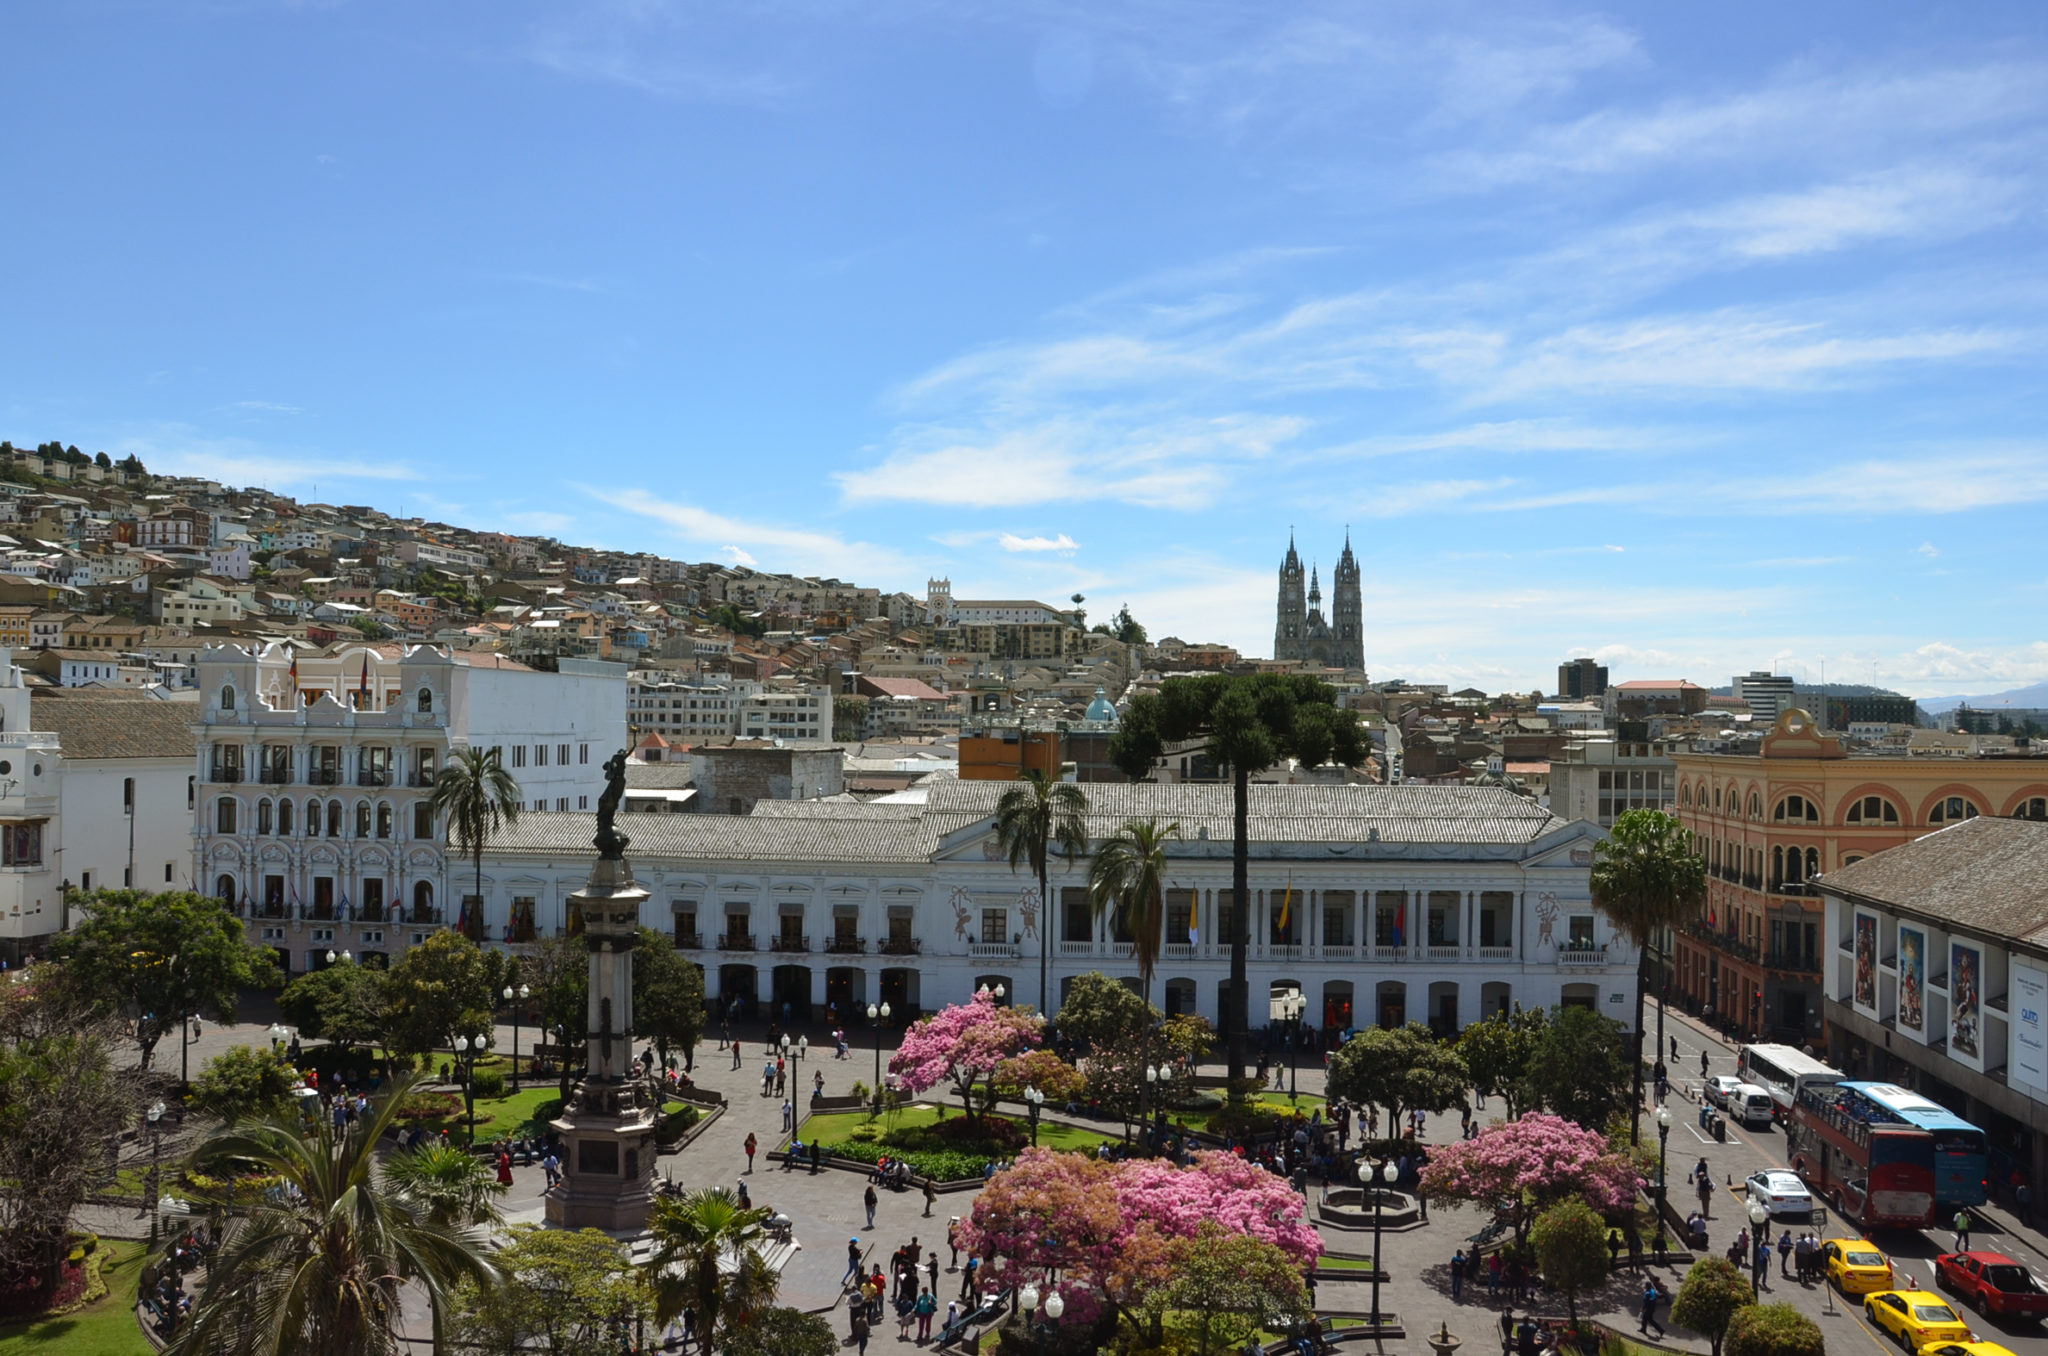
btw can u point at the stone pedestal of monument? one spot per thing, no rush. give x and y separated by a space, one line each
607 1128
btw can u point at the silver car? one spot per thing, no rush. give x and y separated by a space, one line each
1782 1193
1719 1086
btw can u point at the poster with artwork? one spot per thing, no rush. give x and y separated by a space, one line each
1964 976
1866 960
2028 1060
1912 978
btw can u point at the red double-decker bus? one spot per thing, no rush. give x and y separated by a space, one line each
1858 1156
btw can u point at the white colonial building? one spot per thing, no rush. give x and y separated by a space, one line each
312 814
1379 904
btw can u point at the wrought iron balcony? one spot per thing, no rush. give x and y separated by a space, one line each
900 946
846 946
790 944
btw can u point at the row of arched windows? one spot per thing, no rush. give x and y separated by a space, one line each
329 819
1862 810
423 701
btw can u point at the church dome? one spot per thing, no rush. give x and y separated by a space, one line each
1101 711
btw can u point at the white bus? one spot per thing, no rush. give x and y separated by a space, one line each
1784 1071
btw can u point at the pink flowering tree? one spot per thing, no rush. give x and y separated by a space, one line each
1528 1164
1106 1226
964 1045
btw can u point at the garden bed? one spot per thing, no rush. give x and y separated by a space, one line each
939 1147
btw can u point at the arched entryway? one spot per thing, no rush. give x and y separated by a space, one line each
846 992
1581 996
792 993
224 890
423 902
1392 1003
1337 1005
1496 999
901 991
1443 1008
1181 997
737 992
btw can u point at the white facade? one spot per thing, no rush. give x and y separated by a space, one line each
1769 695
685 709
803 714
1442 904
312 810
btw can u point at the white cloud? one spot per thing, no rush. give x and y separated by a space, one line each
737 556
266 407
1009 541
794 548
1928 549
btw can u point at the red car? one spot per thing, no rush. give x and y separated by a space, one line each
1992 1283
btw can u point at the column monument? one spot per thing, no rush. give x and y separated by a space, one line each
607 1128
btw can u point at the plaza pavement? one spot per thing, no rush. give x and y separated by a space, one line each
827 1208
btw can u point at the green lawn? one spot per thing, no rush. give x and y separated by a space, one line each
510 1116
107 1328
1345 1263
1051 1134
1307 1101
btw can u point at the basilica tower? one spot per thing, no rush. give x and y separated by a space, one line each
1292 613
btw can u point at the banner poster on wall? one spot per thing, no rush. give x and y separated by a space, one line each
1965 977
1912 978
1866 960
2028 1060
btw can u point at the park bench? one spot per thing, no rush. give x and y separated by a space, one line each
990 1308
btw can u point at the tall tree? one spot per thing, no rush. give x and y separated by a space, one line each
1407 1069
1709 1296
1249 722
1578 1069
668 996
444 986
1128 878
476 796
1647 878
452 1187
707 1256
566 1293
1571 1248
1035 818
1498 1051
558 971
320 1267
341 1003
1101 1013
160 959
244 1082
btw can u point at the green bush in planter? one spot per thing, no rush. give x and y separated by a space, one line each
487 1082
674 1125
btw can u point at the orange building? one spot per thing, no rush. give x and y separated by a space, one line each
1005 753
1768 823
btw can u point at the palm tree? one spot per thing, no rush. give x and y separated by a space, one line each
316 1265
453 1187
1249 722
1129 875
1038 816
477 795
707 1256
1646 878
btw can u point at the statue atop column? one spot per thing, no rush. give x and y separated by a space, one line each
611 844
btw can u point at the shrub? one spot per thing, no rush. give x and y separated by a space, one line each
1772 1330
429 1106
674 1125
941 1165
487 1082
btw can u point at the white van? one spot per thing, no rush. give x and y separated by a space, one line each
1752 1105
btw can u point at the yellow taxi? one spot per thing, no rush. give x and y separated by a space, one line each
1856 1267
1916 1318
1965 1349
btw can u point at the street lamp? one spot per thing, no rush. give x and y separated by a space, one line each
1296 1005
1663 1135
1155 1074
466 1052
155 1116
874 1013
521 993
785 1047
1034 1103
1027 1299
803 1047
1369 1178
278 1035
1759 1221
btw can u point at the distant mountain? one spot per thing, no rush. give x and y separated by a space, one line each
2035 696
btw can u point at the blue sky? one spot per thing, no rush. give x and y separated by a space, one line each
1700 338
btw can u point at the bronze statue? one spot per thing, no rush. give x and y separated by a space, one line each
610 842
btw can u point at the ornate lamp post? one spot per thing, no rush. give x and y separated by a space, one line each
279 1034
1055 1306
803 1047
1034 1103
466 1052
1663 1136
875 1013
1155 1074
1369 1177
520 994
155 1116
785 1047
1759 1222
1296 1005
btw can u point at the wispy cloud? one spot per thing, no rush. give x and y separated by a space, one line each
793 548
179 450
1011 542
266 407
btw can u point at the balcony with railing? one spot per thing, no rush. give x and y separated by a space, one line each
1077 949
993 950
789 944
1438 951
323 776
225 772
1796 962
1337 951
1385 952
900 946
689 941
1496 953
420 779
1582 955
1176 950
275 774
373 776
846 946
736 941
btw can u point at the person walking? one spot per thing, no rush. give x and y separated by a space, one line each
931 1269
504 1168
1785 1254
967 1277
1962 1231
752 1145
1703 1062
869 1199
788 1116
1457 1274
735 1054
860 1328
552 1166
931 1197
924 1308
1651 1294
852 1262
1761 1266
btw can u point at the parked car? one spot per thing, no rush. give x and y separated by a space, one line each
1719 1087
1855 1266
1752 1105
1991 1283
1782 1193
1915 1319
1965 1349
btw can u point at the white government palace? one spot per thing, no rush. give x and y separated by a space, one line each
1377 904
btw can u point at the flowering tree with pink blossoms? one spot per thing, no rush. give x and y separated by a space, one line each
964 1045
1104 1224
1530 1163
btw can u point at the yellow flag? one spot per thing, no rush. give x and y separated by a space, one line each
1286 904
